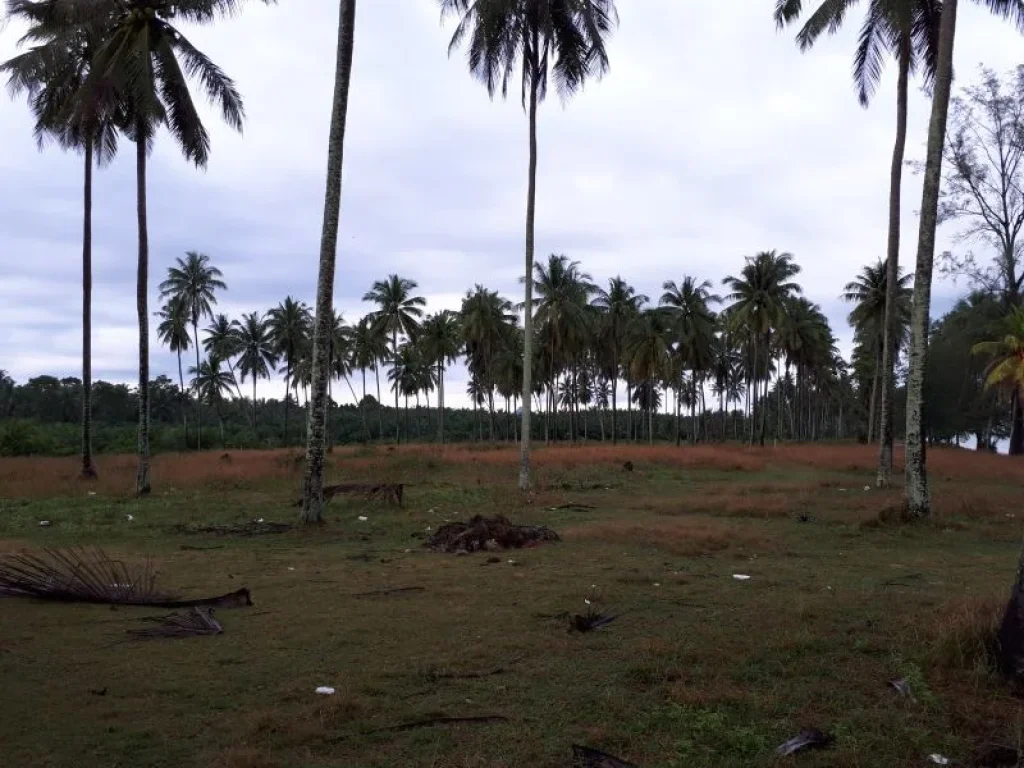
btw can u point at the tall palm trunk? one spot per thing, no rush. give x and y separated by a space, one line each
884 479
394 364
629 411
287 395
752 386
142 485
255 433
872 405
380 408
88 469
650 412
525 478
917 501
313 496
182 400
199 399
440 401
615 389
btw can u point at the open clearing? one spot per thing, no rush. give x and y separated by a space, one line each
701 669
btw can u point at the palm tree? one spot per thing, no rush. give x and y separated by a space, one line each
563 38
441 343
173 332
223 343
257 357
312 497
398 312
1006 369
369 349
917 501
483 318
194 282
288 324
148 60
648 352
619 306
52 73
759 298
211 383
869 293
908 30
340 359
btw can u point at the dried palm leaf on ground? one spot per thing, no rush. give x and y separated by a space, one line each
808 738
90 575
192 623
590 620
252 528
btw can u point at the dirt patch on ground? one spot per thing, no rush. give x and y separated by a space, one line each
488 534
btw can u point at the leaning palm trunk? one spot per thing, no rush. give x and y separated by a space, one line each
917 501
885 432
525 478
88 470
313 492
142 485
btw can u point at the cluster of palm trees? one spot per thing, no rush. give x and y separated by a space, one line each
588 341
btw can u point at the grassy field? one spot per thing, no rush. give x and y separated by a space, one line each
701 669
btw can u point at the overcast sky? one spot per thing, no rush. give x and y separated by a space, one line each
711 138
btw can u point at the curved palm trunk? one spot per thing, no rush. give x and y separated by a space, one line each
199 399
917 501
142 485
525 475
884 479
88 469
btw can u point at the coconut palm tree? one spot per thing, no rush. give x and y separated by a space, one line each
340 356
909 31
619 306
140 73
288 324
441 344
257 357
759 297
917 500
323 336
484 318
561 39
648 352
223 343
1006 369
398 313
869 293
370 349
211 383
173 333
194 282
51 73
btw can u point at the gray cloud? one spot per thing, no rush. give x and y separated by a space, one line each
711 138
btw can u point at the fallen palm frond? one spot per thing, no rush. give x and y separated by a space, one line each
587 757
192 623
90 575
388 493
252 528
590 620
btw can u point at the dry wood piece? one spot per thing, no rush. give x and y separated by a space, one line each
474 720
389 493
192 623
395 591
488 533
90 575
586 757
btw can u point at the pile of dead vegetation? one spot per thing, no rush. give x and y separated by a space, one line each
259 527
490 534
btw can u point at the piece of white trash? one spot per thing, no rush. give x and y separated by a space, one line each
363 518
325 690
657 584
741 577
92 493
260 520
291 568
586 601
867 487
129 518
842 489
44 523
938 759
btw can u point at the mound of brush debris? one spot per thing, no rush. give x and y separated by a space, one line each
488 534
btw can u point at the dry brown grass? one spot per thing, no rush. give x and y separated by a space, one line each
965 633
679 536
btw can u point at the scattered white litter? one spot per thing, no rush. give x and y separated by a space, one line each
291 568
586 601
1010 514
428 528
407 551
867 487
44 523
363 518
92 493
741 577
129 518
657 584
430 511
842 489
325 690
511 562
260 520
938 759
